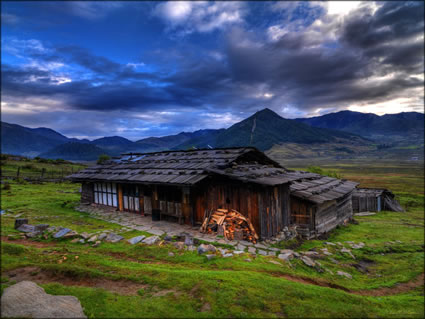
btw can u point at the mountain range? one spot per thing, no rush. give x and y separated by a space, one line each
263 130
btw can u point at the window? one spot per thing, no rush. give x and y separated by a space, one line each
131 198
105 194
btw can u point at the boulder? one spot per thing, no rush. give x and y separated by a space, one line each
41 227
179 245
20 221
113 238
97 243
191 248
26 228
85 235
102 236
61 233
71 234
135 240
286 256
210 257
92 239
168 238
32 234
240 247
228 255
252 250
188 240
309 262
151 240
262 252
238 252
206 248
28 300
329 243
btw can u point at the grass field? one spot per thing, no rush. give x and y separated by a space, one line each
121 280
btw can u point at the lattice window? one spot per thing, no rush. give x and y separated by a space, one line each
105 194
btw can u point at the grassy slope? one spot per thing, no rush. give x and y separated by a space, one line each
231 287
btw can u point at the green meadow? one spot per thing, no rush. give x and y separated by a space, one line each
123 280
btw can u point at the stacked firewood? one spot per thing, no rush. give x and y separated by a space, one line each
230 224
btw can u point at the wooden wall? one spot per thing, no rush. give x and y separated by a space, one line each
313 219
267 207
87 194
365 203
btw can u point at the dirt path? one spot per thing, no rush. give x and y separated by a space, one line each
35 274
126 287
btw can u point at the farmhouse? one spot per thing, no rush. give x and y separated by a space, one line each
374 200
185 185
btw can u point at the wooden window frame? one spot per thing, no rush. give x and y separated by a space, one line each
99 189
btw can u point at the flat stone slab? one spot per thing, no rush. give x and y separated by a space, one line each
113 238
61 233
135 240
26 228
151 240
28 300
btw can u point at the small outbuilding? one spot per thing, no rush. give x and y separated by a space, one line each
374 200
319 203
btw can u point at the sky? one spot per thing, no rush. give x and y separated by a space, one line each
140 69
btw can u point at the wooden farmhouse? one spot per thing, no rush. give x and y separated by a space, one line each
374 200
185 185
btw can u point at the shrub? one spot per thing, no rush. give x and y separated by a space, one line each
102 158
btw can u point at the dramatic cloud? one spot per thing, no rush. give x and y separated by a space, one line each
299 58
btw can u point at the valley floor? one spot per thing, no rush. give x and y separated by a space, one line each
123 280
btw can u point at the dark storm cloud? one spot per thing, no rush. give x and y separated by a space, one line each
247 72
393 21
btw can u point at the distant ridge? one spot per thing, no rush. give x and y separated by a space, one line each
369 124
263 130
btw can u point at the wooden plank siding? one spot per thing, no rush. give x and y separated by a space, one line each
267 207
87 193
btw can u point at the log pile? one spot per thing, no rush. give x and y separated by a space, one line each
229 223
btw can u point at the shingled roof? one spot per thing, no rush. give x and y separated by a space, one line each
246 164
319 189
181 167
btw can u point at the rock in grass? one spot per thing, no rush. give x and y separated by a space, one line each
275 262
102 236
238 252
75 240
113 238
191 248
188 240
151 240
92 239
61 233
28 300
137 239
252 250
85 235
81 241
179 245
286 256
210 257
206 248
345 250
344 274
262 252
97 243
240 247
41 227
26 228
20 221
227 255
329 243
308 261
171 254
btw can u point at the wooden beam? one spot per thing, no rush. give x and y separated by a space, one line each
120 205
